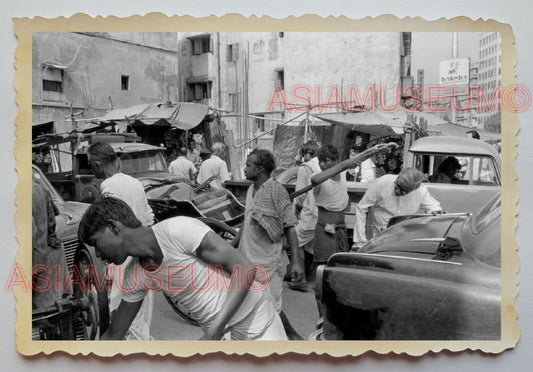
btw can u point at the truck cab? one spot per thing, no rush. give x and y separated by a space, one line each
142 161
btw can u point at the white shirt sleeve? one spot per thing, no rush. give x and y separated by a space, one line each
429 203
223 172
370 199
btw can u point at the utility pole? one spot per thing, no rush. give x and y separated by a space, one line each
453 97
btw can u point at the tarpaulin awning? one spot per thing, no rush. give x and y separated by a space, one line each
366 122
183 115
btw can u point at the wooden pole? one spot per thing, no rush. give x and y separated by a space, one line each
344 165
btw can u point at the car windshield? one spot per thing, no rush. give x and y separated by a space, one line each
146 161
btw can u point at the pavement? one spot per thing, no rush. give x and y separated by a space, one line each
300 308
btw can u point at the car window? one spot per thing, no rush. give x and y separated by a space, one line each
475 170
478 170
143 162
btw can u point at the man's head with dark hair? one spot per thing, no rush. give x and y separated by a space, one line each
450 166
101 156
328 156
182 151
103 152
310 149
265 159
259 165
473 134
101 214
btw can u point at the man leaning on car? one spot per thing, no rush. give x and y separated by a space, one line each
392 195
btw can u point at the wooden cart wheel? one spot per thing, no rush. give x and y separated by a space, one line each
90 290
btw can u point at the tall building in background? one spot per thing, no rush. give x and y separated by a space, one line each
490 58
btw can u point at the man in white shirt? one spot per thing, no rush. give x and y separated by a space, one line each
392 195
215 166
305 203
183 167
192 265
366 171
103 162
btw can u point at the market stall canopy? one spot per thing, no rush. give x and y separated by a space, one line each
183 115
374 123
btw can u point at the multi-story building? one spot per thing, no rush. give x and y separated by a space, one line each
83 74
490 57
260 79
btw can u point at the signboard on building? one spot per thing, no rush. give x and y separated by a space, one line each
455 71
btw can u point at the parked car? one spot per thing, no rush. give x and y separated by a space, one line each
83 309
481 177
424 278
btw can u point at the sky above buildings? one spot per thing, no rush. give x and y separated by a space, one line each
430 48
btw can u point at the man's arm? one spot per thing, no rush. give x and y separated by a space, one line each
121 320
302 179
216 251
223 172
368 200
429 204
297 269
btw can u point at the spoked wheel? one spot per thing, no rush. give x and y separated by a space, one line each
227 233
90 293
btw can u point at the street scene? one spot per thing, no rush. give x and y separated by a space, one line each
266 186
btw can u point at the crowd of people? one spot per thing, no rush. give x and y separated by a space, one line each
201 166
280 239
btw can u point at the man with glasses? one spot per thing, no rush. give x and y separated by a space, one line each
392 195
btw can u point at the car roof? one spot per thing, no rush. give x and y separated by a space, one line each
127 147
453 145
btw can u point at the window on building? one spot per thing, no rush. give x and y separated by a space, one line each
52 83
201 44
259 122
234 102
280 78
125 82
232 52
201 90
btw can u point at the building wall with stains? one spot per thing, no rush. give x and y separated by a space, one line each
314 69
89 73
243 71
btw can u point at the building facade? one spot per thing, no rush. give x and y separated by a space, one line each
258 80
82 75
490 75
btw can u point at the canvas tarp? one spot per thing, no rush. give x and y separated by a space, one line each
183 115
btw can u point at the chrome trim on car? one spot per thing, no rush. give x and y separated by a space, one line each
407 258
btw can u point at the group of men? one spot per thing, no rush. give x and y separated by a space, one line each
180 254
201 166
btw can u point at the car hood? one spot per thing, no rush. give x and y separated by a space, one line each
401 238
69 217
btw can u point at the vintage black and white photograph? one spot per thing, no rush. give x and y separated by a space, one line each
280 186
